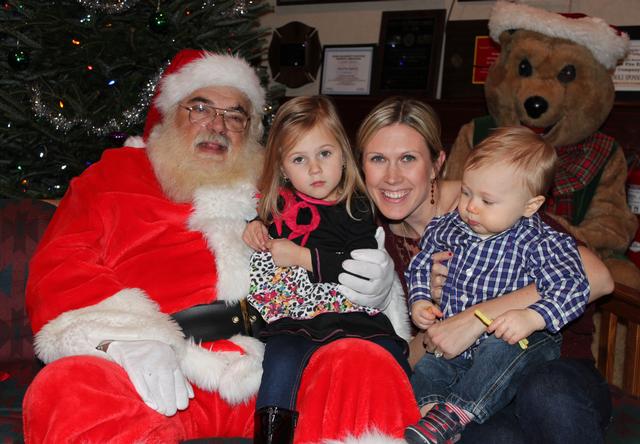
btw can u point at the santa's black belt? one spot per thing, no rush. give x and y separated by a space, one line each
210 322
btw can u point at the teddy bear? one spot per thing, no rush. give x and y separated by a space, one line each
554 75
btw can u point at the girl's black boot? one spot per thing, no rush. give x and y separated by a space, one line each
274 425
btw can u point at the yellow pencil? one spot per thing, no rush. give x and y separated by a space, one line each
524 343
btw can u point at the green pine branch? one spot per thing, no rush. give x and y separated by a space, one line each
73 54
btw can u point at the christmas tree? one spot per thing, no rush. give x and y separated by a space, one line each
77 76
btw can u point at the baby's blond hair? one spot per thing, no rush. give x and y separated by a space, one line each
532 157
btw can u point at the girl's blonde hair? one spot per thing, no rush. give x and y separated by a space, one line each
533 159
293 120
413 113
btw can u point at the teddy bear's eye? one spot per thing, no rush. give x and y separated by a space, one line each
567 74
525 69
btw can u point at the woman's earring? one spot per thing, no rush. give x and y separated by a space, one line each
433 190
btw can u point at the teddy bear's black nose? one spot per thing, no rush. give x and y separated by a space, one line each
536 106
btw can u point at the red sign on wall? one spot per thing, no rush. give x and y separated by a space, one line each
485 52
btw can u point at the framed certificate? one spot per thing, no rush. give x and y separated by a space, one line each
626 78
347 69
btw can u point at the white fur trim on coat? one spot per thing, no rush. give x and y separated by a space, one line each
135 142
397 310
607 45
131 315
372 437
211 70
235 376
221 213
127 315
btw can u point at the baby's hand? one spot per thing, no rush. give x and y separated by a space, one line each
255 235
424 314
514 325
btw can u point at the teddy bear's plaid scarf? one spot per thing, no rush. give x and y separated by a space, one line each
578 165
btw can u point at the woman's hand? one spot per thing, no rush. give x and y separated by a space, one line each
255 235
453 335
439 273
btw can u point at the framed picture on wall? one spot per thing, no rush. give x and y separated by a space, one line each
410 46
626 77
347 69
468 54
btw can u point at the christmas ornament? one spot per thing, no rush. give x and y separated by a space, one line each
240 7
18 60
159 22
40 152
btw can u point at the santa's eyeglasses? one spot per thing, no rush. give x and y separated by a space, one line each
202 114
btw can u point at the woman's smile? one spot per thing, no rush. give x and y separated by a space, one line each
394 195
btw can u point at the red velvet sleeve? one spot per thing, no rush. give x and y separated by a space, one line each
69 269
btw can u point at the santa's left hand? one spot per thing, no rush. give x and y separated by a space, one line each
153 369
377 271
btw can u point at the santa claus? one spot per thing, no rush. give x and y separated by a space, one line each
142 274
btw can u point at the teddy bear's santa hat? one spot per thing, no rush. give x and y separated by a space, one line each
608 45
193 69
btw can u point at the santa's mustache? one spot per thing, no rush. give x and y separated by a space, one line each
219 139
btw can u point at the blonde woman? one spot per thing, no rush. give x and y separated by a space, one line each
401 155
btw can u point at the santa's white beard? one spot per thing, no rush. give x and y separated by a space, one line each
180 171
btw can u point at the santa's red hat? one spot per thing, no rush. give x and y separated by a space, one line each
193 69
608 45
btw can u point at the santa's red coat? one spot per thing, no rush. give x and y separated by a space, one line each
117 257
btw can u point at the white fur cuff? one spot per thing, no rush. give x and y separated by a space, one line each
128 315
235 376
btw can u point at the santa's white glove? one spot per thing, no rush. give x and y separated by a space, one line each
376 268
153 369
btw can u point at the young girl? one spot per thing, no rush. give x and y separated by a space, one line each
314 203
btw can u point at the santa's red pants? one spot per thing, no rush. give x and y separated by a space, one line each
349 387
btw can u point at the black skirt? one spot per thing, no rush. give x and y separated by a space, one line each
328 327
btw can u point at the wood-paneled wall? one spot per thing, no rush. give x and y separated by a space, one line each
623 122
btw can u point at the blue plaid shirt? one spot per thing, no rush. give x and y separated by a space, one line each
528 252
